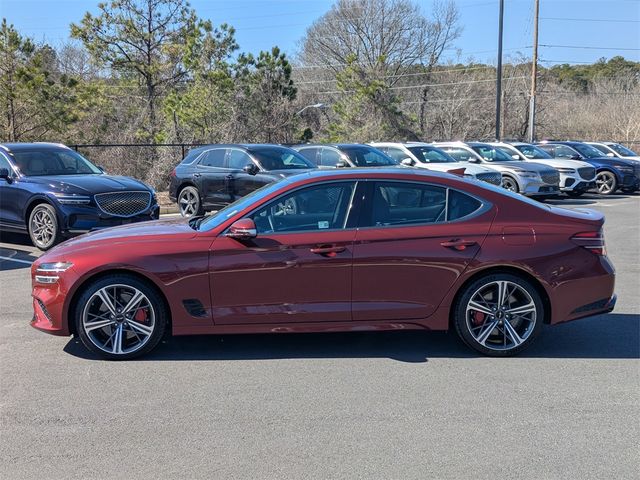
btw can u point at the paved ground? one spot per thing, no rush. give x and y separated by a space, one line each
401 405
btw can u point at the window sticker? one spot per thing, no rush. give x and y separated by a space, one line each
323 224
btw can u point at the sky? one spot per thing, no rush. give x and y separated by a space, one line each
600 28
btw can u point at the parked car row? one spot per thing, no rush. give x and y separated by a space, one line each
50 191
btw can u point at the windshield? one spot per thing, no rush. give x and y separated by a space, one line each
431 155
622 150
492 154
43 162
363 156
217 218
280 158
587 150
533 152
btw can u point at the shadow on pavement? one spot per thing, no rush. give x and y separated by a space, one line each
614 336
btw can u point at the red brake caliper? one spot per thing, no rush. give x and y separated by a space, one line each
141 315
478 317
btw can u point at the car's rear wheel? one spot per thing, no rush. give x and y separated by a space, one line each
120 317
189 202
510 184
499 314
43 226
606 182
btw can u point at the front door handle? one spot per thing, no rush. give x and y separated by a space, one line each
328 251
197 175
458 244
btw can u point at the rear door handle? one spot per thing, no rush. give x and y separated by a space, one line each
458 244
328 251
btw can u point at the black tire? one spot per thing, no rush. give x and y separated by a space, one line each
510 183
189 202
574 194
43 227
629 191
157 312
464 317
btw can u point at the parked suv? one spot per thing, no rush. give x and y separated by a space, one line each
50 191
518 176
612 149
611 173
211 177
576 177
344 155
424 155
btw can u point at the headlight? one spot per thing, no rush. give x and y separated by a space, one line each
49 269
526 174
66 199
566 170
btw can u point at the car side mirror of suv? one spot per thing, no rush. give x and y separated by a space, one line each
4 173
408 162
243 229
250 168
342 164
575 157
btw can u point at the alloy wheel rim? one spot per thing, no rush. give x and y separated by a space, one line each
501 315
508 184
119 319
188 203
43 227
604 182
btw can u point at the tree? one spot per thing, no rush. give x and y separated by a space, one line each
35 98
144 39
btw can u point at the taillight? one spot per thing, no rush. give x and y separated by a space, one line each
592 241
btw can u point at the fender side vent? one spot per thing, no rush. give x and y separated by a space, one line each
194 307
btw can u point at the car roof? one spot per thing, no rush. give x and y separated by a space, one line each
335 145
404 144
369 172
19 146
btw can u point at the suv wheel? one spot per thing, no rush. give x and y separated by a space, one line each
189 202
606 182
43 227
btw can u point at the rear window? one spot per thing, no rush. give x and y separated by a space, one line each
461 205
280 158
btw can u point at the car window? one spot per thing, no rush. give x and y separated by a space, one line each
509 152
562 151
461 205
280 158
622 150
431 155
587 151
396 153
399 203
4 163
53 162
533 152
365 156
329 157
238 159
604 150
460 154
213 158
310 154
321 207
492 154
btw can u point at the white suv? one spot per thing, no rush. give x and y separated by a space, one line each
612 149
527 178
424 155
576 177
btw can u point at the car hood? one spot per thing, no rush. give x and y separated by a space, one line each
177 229
560 162
610 161
89 184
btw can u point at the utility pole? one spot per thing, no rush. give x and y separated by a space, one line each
534 75
499 72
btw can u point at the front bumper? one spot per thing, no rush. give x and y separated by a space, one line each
571 185
49 303
534 188
78 219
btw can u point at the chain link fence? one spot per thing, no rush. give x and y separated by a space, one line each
151 163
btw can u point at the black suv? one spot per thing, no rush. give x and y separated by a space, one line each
213 176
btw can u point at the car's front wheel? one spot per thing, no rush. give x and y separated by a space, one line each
499 314
43 227
606 182
510 184
120 317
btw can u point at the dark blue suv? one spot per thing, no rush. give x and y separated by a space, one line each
50 191
611 173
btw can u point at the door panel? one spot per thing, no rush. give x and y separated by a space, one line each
403 272
211 176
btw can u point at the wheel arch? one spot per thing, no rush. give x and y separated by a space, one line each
504 269
514 178
72 304
34 202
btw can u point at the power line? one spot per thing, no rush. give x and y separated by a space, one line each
590 47
566 19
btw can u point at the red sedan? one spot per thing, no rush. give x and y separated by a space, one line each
334 251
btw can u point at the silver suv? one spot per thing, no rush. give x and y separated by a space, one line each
528 178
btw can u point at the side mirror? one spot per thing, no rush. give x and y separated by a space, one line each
515 156
250 168
4 173
610 154
473 160
408 162
243 229
342 164
575 157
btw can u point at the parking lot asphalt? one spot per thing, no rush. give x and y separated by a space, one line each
403 405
